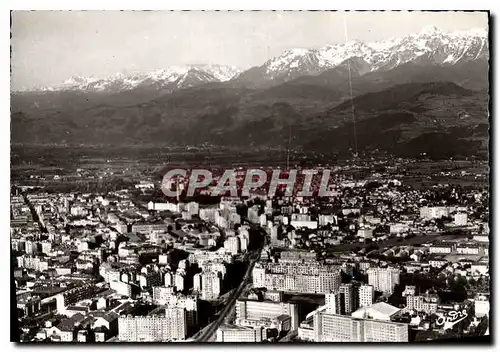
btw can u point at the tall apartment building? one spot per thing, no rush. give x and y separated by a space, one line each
148 227
298 256
263 220
366 295
273 231
162 294
31 247
192 208
168 279
150 279
383 279
426 303
348 298
288 277
244 241
208 214
363 266
322 283
247 310
298 268
46 247
234 333
167 297
232 245
415 303
122 288
381 331
211 285
214 266
34 262
341 328
259 276
325 219
179 280
200 257
170 326
197 282
327 282
333 303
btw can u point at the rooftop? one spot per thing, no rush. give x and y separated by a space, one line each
381 308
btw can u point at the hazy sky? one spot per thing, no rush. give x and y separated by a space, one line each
51 46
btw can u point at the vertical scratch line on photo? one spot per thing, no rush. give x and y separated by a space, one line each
350 90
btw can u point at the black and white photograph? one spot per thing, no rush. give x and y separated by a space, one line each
250 177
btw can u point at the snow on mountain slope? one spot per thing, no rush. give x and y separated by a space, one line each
173 77
431 44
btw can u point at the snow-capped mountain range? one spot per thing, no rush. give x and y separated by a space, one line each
173 77
431 45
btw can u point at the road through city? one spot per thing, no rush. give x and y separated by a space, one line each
208 335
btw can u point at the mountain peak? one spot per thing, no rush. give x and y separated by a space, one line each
295 52
431 43
164 78
430 30
355 42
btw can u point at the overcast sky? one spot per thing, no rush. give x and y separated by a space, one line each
51 46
